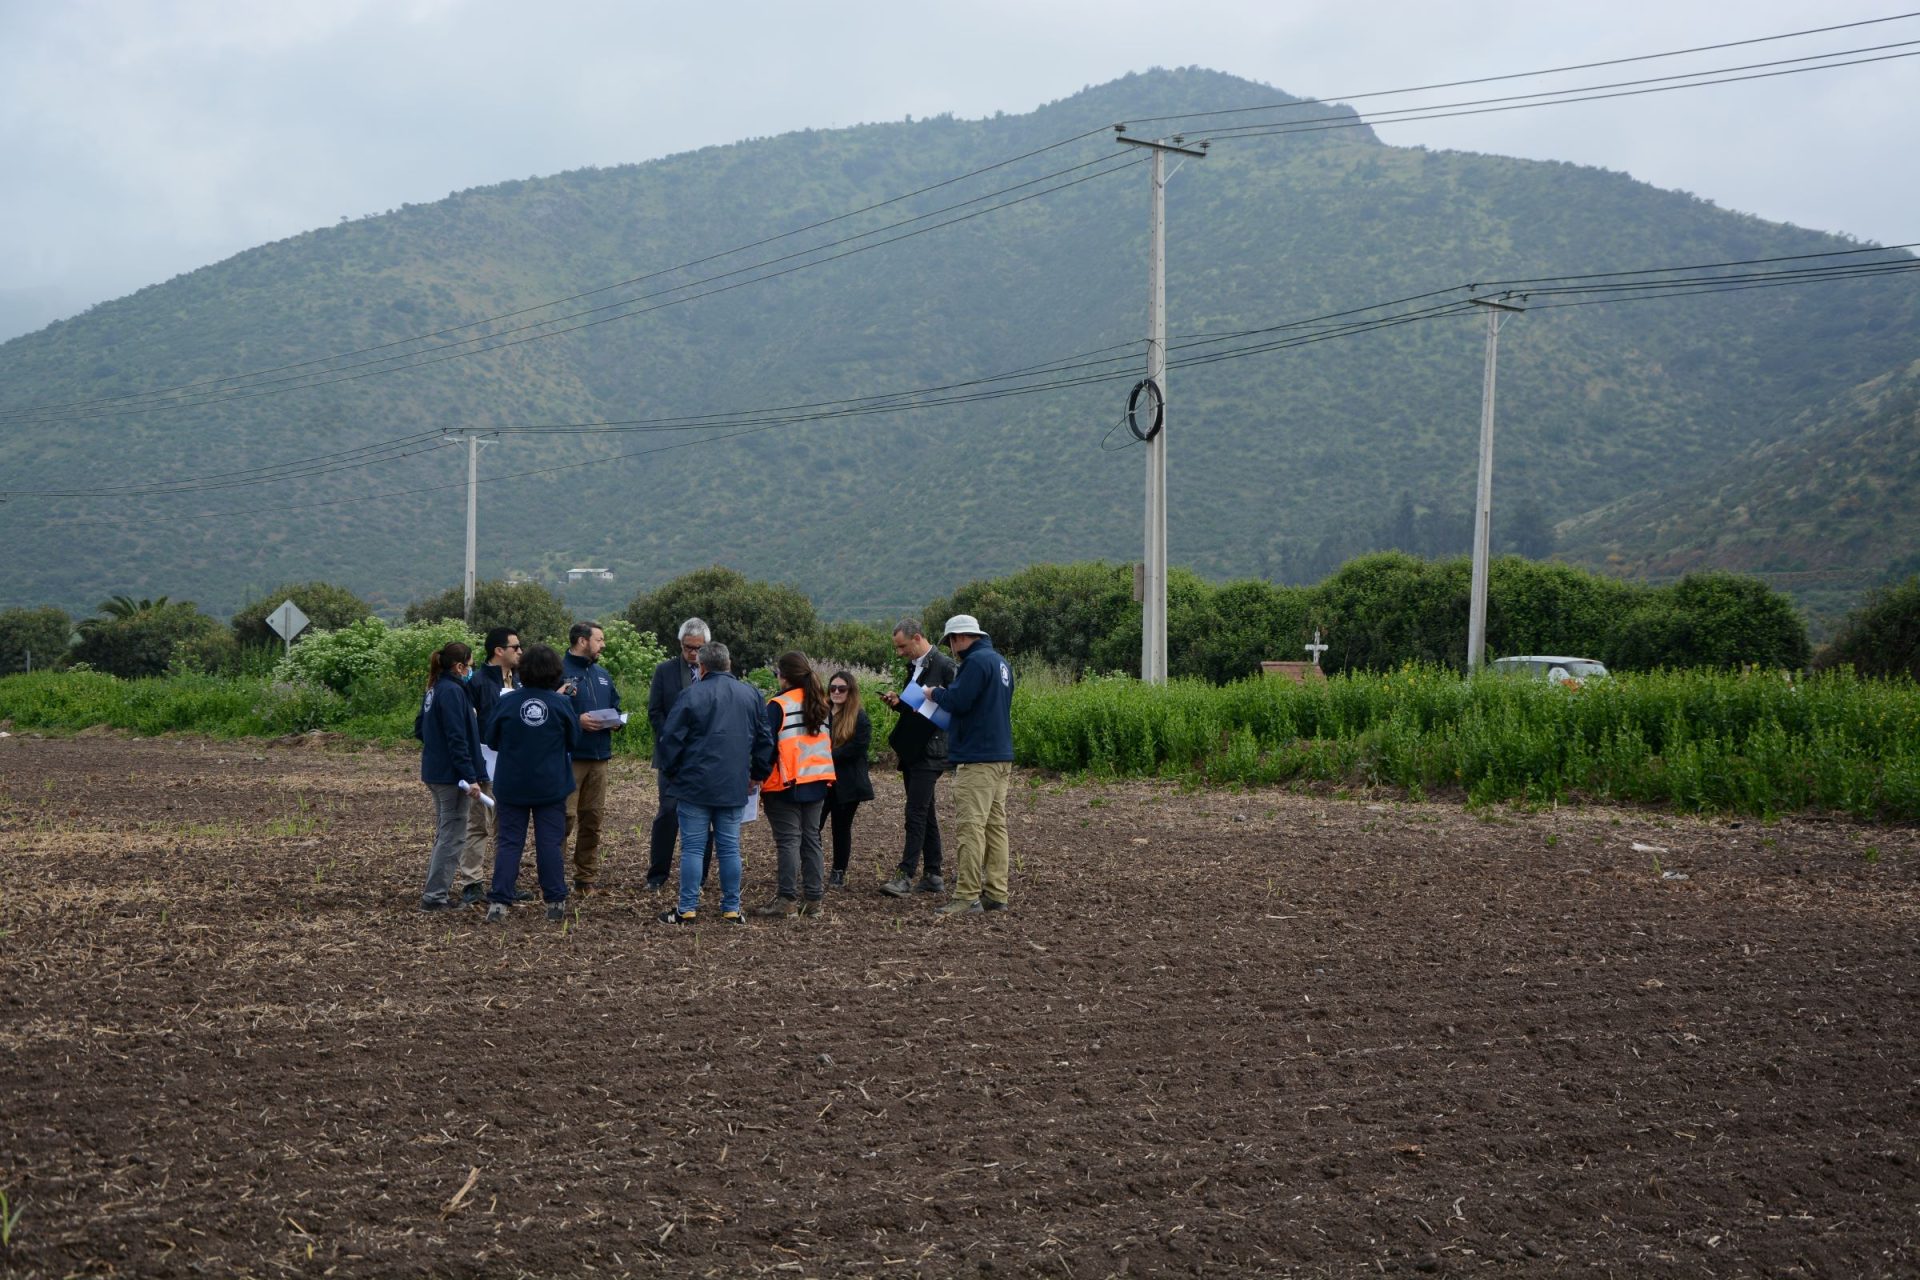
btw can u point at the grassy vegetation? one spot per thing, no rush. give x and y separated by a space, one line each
1695 741
1698 741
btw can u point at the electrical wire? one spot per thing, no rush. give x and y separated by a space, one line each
38 412
1109 165
1342 99
619 284
1260 131
1084 371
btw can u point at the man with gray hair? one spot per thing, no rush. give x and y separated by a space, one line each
671 679
715 751
921 751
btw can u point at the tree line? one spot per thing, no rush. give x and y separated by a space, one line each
1374 613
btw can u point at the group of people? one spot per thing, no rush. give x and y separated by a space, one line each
524 740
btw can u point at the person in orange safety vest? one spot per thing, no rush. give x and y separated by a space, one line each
795 793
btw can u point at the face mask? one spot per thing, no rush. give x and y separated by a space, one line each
468 677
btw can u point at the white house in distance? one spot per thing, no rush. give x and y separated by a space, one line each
581 575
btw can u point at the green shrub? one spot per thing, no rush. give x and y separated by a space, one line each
134 638
328 608
853 644
39 636
757 621
1881 638
530 609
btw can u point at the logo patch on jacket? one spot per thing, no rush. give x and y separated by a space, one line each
1006 676
533 713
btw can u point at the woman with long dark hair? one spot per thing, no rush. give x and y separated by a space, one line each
852 736
534 728
792 797
450 764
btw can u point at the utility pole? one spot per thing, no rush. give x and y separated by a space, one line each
1483 506
1153 629
473 510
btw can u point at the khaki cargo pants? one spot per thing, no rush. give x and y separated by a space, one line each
586 806
980 819
476 856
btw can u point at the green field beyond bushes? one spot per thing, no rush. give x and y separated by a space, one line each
1696 741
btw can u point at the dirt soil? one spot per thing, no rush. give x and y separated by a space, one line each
1249 1034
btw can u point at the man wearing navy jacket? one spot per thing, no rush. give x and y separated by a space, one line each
980 744
598 704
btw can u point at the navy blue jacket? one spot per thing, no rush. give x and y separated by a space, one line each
449 735
716 743
592 691
488 683
534 731
980 699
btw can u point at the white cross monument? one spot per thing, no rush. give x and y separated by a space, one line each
1316 648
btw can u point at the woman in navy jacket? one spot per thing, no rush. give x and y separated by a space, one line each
535 730
450 763
852 735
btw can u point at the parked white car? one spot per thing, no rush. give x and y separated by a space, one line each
1567 671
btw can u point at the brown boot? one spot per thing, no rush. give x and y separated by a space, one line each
777 908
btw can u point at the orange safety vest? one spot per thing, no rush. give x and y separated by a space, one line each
803 757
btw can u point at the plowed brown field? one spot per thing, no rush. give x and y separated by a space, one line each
1259 1034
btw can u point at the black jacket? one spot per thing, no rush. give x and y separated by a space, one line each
914 739
851 781
670 679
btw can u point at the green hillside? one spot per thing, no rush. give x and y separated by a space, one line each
1280 464
1825 511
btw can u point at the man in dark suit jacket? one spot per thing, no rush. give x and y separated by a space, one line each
671 679
921 750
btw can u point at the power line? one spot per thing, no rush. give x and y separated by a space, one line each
1259 131
48 412
740 423
1342 99
1110 165
588 293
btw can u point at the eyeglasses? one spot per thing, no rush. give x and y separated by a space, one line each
690 646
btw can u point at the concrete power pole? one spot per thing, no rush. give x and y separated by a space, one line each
473 512
1153 630
1483 505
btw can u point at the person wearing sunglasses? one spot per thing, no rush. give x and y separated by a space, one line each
852 736
490 679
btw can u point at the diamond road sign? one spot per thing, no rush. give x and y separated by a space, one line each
287 621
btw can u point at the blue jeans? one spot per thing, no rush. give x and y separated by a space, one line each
549 849
697 823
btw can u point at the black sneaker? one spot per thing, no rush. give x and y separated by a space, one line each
837 880
431 905
930 884
733 917
990 905
898 887
674 915
472 894
656 883
523 895
557 910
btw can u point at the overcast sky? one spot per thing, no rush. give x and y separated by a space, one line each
143 138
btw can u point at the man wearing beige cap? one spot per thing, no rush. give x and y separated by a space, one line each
980 745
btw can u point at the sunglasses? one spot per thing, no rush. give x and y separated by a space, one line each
837 688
